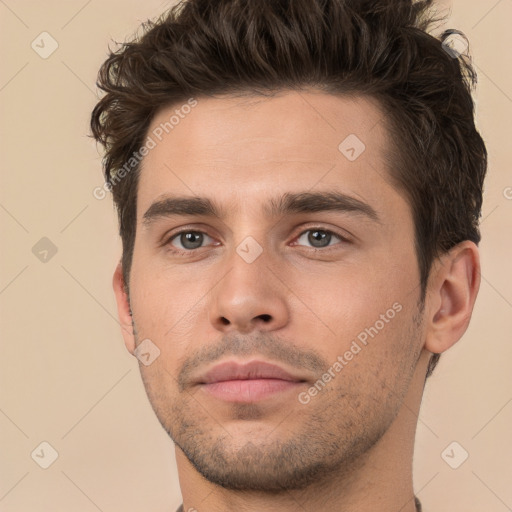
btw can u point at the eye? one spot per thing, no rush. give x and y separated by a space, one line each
188 240
320 238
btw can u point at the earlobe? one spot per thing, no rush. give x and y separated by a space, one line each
123 309
453 289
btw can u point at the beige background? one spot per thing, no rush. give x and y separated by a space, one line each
65 375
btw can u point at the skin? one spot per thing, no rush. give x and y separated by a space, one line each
351 446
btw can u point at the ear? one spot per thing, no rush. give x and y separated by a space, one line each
453 287
123 309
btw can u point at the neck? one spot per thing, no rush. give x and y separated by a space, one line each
381 479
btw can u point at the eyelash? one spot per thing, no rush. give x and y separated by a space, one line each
187 252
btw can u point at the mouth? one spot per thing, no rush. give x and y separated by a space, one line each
248 382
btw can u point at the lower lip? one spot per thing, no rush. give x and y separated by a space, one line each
249 390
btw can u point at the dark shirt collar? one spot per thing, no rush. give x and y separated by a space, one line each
416 501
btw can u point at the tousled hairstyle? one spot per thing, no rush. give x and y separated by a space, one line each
378 48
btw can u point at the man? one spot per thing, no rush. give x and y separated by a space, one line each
299 185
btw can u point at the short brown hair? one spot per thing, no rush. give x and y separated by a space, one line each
379 48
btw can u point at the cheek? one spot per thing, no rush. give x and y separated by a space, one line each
161 388
349 298
365 314
164 298
378 358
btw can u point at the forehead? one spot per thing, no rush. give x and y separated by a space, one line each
253 146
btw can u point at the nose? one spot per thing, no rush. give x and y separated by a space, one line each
249 296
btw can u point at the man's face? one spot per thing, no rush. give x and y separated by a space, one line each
300 289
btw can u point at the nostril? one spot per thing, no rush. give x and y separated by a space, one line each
266 318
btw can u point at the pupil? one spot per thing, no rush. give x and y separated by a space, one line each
319 236
189 238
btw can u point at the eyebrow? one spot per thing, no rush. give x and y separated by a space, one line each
288 203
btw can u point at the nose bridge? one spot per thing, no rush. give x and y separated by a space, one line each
251 251
248 278
249 295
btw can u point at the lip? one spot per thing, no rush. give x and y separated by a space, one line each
248 382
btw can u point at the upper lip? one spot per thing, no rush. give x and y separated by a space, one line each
232 370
